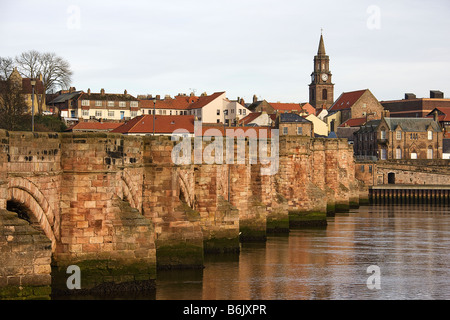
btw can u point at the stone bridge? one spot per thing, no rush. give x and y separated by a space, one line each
120 209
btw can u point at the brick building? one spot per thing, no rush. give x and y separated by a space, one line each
399 138
413 107
353 105
293 125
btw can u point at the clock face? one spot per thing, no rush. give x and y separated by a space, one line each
324 77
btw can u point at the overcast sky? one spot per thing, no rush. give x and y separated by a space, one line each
243 47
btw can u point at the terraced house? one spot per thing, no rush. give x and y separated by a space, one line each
85 106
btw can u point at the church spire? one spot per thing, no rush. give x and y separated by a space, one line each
321 50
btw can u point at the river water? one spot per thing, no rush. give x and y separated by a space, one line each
410 245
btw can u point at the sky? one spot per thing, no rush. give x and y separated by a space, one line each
244 47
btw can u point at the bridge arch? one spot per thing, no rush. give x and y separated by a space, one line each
129 191
26 193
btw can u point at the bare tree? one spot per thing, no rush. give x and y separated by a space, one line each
55 71
12 105
29 63
6 67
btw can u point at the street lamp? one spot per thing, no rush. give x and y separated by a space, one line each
33 83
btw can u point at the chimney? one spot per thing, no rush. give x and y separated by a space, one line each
255 98
436 94
436 116
409 96
71 89
167 97
89 91
102 92
204 94
125 92
158 97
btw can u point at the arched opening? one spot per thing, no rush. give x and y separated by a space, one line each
23 212
324 94
391 178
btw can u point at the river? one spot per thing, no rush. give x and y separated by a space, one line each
410 245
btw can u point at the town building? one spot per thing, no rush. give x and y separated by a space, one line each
399 138
147 125
293 124
260 119
413 107
360 104
169 106
321 89
26 87
88 106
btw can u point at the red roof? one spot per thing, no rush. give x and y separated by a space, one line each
178 102
252 116
347 100
236 131
309 108
443 117
205 100
283 107
163 124
95 126
355 122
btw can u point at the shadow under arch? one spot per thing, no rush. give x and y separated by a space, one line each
36 207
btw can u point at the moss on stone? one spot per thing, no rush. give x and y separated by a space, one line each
249 234
221 245
342 207
25 293
307 219
278 225
179 256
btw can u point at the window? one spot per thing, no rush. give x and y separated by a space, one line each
134 104
218 120
133 114
232 110
285 130
122 104
218 112
398 153
244 112
324 94
98 113
110 114
240 111
110 103
430 152
383 154
98 103
370 169
383 134
362 168
413 155
399 135
299 130
85 113
430 135
225 112
85 103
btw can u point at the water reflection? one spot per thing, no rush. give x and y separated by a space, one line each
410 244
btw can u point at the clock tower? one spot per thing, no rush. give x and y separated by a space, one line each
321 89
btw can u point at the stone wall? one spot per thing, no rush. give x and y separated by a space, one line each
119 207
